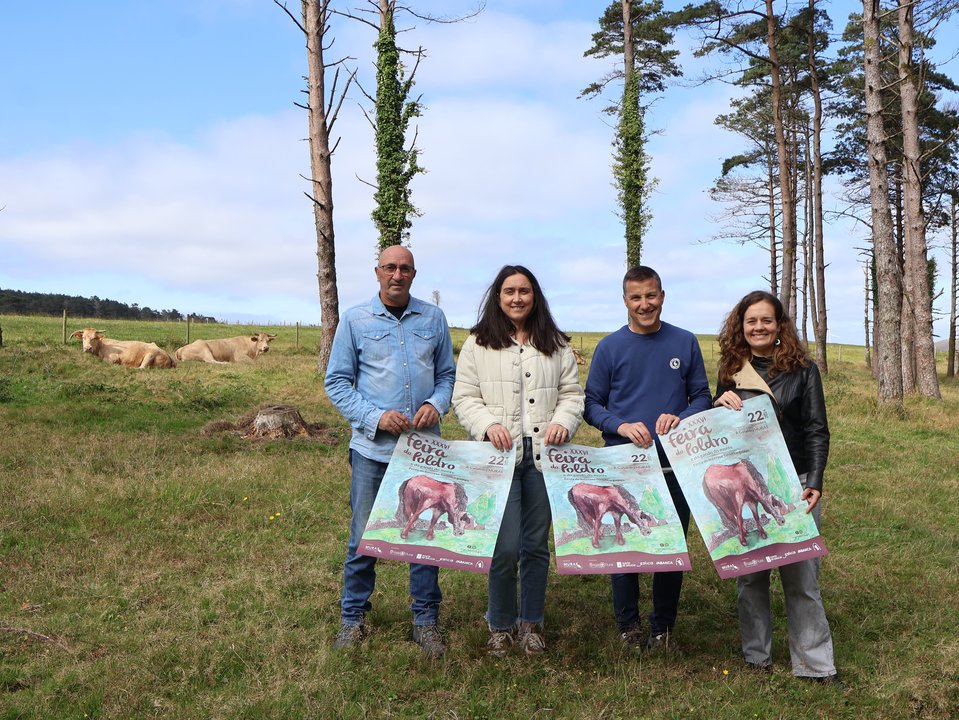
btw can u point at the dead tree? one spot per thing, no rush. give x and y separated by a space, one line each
322 109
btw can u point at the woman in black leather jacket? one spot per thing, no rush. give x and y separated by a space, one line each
760 352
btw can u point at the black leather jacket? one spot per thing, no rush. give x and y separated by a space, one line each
801 409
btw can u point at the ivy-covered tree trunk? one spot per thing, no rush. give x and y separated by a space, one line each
888 286
630 164
631 171
642 33
396 165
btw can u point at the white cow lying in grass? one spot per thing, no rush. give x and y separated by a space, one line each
227 350
131 353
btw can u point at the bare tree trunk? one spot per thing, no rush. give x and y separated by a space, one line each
809 297
917 255
865 316
315 17
889 282
629 61
788 284
951 363
907 330
820 324
907 336
773 254
793 150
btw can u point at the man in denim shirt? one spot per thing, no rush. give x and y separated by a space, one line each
391 369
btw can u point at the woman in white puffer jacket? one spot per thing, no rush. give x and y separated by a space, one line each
517 382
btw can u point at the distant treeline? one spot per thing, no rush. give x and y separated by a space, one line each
17 302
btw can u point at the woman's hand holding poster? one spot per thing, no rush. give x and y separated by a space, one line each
440 503
742 488
611 511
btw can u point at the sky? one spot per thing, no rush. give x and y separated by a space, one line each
152 153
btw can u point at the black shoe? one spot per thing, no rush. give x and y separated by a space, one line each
349 636
428 637
825 679
633 638
659 641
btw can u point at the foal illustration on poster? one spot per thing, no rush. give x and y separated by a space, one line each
732 488
421 493
592 502
742 488
440 503
612 512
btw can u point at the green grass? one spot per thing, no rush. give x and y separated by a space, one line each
143 551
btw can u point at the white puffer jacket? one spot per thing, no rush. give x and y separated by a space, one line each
487 391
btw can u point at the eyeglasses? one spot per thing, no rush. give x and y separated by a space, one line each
391 268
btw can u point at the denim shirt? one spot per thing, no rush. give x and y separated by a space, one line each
379 363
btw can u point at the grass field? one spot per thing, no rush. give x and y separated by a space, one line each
150 569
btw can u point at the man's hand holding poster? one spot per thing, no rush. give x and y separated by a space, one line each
440 503
742 488
611 511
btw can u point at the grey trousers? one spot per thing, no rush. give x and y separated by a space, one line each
810 642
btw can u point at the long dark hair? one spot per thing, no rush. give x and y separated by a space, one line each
788 356
493 328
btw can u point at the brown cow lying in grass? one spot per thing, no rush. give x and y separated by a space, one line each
131 353
234 349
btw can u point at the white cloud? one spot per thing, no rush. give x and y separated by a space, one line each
518 172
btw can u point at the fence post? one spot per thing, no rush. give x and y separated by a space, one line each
64 326
187 329
297 334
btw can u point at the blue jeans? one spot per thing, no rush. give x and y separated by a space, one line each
359 571
666 585
523 538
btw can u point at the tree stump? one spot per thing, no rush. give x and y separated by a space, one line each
274 422
277 421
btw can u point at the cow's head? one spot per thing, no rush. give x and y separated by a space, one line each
90 337
261 341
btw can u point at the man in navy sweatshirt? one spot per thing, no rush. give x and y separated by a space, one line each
644 379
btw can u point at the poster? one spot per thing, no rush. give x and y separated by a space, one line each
440 503
742 488
612 512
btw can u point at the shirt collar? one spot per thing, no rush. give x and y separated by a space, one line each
380 309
